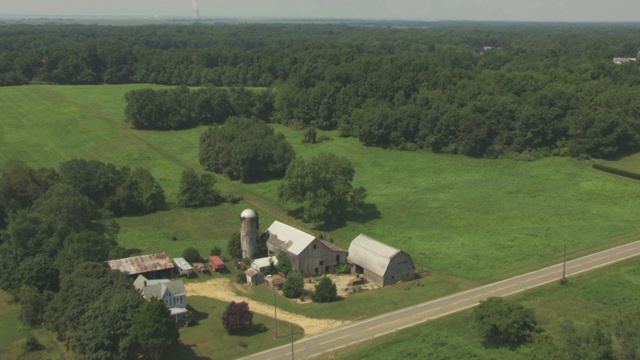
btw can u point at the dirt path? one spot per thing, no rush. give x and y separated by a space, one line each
222 289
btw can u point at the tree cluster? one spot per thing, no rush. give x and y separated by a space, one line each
53 249
323 184
245 149
537 89
293 285
197 191
503 322
182 108
120 190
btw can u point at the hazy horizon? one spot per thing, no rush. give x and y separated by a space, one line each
428 10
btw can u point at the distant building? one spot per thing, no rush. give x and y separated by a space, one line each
172 293
623 60
381 264
309 256
152 265
264 263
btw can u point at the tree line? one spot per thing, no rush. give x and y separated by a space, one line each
182 108
483 90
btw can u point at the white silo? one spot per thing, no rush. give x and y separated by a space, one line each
248 232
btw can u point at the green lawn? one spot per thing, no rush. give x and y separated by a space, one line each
628 163
209 340
598 295
476 219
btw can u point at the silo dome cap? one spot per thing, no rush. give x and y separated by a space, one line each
248 214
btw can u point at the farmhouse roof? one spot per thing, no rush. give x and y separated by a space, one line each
292 239
141 282
182 263
175 287
371 254
142 264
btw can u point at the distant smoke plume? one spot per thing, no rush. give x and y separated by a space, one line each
196 11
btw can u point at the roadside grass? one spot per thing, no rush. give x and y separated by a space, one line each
509 217
209 340
596 295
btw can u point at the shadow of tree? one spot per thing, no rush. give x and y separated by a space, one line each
185 351
197 315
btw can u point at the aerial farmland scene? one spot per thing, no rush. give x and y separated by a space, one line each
319 180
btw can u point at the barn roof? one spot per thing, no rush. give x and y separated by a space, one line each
294 240
371 254
142 264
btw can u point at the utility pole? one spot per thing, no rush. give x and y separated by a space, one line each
275 309
292 356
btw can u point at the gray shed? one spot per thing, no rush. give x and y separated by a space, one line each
379 263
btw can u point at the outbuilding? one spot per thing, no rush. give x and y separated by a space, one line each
152 265
254 277
381 264
183 267
216 263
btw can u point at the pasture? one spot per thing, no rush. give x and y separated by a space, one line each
475 219
601 295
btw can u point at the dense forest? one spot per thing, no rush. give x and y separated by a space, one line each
484 90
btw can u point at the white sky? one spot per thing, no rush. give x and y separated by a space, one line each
518 10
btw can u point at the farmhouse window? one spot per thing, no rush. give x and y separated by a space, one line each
321 262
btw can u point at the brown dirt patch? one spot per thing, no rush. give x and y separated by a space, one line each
223 290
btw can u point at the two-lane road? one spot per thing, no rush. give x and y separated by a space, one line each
387 323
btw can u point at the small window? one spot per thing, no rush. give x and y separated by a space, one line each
321 262
314 246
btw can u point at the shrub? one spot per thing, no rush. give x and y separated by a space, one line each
191 254
344 269
32 344
293 285
260 328
215 251
325 291
241 278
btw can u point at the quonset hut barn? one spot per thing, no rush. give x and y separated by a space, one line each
381 264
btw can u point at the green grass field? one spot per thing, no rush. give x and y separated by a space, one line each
208 339
629 163
598 295
507 216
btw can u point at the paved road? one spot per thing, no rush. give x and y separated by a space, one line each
387 323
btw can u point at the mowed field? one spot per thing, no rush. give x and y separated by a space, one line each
475 219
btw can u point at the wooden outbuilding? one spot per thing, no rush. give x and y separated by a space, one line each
254 277
216 263
381 264
309 255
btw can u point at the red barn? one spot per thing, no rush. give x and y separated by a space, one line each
216 263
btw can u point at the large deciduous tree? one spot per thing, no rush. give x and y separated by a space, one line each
245 149
154 331
236 318
503 322
323 185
